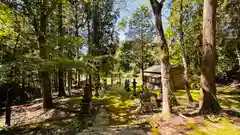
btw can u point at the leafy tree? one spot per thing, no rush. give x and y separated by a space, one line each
227 33
137 52
40 26
60 70
183 50
164 58
102 35
179 32
142 31
191 26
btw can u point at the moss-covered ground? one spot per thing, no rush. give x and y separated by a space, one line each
120 108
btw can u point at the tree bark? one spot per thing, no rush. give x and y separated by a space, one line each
78 48
238 54
164 58
56 81
23 80
142 66
61 90
97 81
87 100
8 107
79 76
95 36
44 75
183 50
69 81
65 79
46 89
208 101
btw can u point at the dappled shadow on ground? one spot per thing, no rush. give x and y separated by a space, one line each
174 125
54 121
52 126
230 104
236 92
187 118
117 113
66 118
42 122
233 113
192 125
120 107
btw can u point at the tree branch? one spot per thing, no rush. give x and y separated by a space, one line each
157 6
51 8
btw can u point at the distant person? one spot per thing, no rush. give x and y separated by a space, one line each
127 85
105 84
134 83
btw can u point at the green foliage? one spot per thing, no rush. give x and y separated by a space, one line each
129 56
140 33
21 26
122 24
227 29
140 25
228 33
192 20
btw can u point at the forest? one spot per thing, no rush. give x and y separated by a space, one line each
120 67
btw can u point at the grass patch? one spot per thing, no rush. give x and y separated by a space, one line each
119 103
231 102
2 127
158 92
182 93
215 125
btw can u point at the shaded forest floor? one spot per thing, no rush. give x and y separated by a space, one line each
116 112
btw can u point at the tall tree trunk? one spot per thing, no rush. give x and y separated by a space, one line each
208 101
142 66
238 54
95 36
97 81
44 75
165 65
183 48
23 80
65 79
88 86
23 88
78 48
70 81
78 75
8 107
45 78
87 100
61 90
9 96
56 85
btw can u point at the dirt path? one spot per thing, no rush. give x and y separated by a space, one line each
33 120
116 115
101 126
